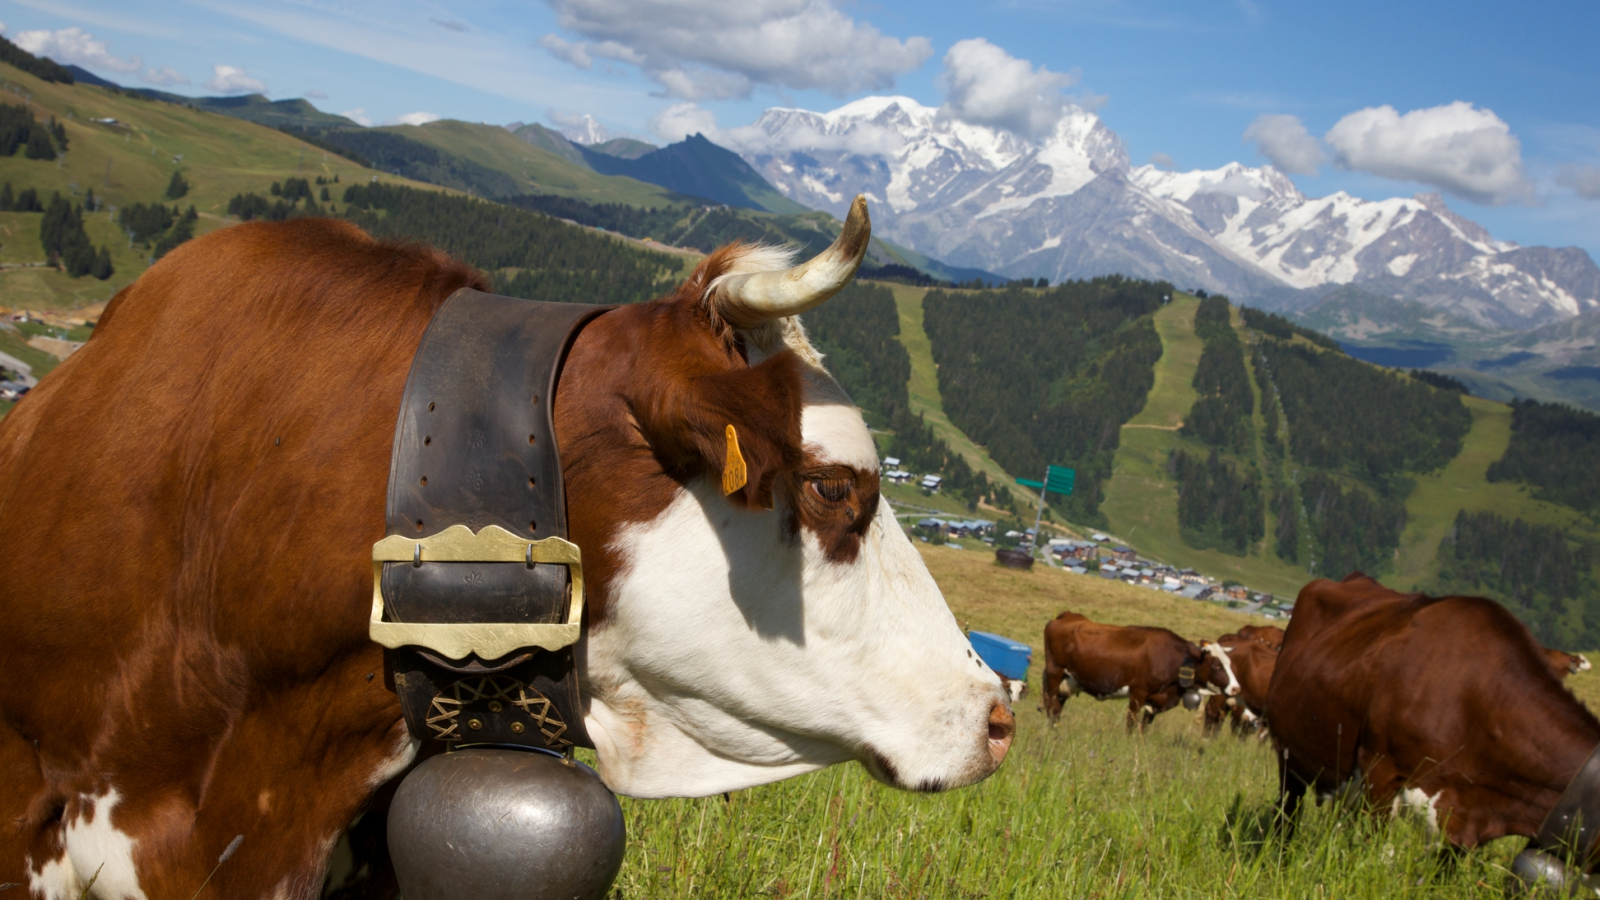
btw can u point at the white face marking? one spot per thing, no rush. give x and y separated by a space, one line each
94 846
735 655
55 880
1583 664
1221 653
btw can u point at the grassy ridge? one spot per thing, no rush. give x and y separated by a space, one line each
1080 810
1142 499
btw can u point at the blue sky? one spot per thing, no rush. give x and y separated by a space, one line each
1182 79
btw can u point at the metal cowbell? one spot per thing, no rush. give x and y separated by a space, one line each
490 823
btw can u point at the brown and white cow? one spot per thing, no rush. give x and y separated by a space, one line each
1563 663
1139 662
1442 704
1253 661
190 504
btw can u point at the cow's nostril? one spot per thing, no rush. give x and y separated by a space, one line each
1002 727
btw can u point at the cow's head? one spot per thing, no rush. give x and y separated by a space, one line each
736 639
1216 669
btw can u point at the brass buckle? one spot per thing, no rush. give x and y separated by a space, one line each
488 640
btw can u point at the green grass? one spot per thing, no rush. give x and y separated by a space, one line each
1079 810
1141 498
1461 485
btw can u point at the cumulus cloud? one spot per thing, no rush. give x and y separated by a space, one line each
74 46
1162 161
985 85
1457 148
233 80
675 123
1582 180
314 95
358 116
580 129
1284 141
716 49
414 118
163 76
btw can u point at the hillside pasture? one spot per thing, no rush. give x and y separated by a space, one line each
1079 810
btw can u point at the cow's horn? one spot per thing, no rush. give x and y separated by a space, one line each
749 300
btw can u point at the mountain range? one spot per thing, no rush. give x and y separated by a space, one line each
1071 205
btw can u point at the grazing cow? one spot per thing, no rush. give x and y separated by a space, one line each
190 505
1270 636
1139 662
1253 662
1563 663
1443 704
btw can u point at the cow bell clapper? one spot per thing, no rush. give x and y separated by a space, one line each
478 601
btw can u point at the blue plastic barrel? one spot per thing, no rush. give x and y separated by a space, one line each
1002 654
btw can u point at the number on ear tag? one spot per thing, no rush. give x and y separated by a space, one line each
734 475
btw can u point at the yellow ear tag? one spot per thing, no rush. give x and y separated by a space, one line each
734 475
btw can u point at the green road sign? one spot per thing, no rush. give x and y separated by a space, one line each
1058 480
1036 485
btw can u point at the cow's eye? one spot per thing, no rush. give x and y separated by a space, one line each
833 490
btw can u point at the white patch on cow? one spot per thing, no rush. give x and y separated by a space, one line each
1249 717
55 880
1221 653
96 846
1071 684
734 654
1582 665
1417 800
400 756
1120 693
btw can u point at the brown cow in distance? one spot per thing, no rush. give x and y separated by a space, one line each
1139 662
1270 636
1253 662
1442 704
1563 663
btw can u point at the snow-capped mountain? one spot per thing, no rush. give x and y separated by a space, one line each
1070 206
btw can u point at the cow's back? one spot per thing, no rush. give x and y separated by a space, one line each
190 504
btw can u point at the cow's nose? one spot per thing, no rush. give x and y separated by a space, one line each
1233 690
1002 727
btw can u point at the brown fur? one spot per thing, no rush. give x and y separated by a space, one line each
1253 662
1105 658
190 504
1451 695
1561 662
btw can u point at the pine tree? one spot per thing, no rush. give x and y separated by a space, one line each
39 146
102 265
177 187
6 200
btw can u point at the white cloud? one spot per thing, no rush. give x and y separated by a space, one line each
580 129
675 123
163 76
566 51
74 46
314 95
717 49
1284 141
358 116
450 24
985 85
1162 160
414 118
1582 180
2 28
1464 151
232 80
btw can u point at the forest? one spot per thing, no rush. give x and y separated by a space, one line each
856 332
1219 504
1221 415
1049 376
65 242
389 152
40 67
1535 570
1356 530
1283 329
549 260
1554 449
1349 416
19 130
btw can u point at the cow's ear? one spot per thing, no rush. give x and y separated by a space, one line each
688 425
